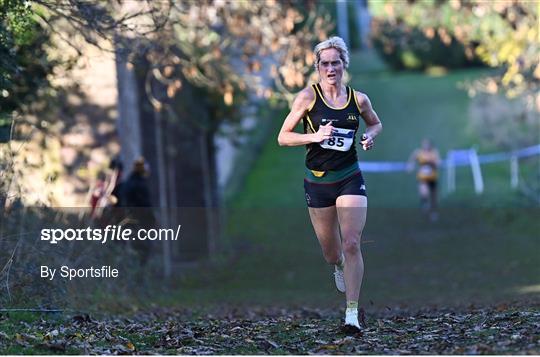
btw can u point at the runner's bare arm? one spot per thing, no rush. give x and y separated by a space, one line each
287 136
412 160
437 158
373 123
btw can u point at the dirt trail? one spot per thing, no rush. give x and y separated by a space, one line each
498 329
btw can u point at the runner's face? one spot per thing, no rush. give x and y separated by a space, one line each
330 66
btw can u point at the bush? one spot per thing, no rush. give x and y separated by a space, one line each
504 124
404 47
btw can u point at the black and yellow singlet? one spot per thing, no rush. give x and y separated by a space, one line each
427 162
339 151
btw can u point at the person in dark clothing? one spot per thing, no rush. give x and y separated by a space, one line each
136 191
134 195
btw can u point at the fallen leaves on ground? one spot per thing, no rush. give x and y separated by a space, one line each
494 330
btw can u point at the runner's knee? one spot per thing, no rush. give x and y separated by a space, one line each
351 246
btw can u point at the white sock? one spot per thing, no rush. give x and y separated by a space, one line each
351 314
351 317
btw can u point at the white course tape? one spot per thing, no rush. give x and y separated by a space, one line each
458 157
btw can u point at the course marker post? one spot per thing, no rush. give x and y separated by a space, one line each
514 172
450 173
476 171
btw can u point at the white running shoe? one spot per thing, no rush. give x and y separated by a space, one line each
339 279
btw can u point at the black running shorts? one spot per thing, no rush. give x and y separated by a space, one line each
324 194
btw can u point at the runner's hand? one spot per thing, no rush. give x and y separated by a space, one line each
367 142
324 132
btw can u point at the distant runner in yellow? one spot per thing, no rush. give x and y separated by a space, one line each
428 161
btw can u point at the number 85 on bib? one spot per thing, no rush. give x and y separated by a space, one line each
341 140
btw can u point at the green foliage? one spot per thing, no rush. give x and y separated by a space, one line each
502 34
5 128
410 60
33 66
15 25
406 47
24 65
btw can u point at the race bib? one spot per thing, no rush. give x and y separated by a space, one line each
426 170
341 140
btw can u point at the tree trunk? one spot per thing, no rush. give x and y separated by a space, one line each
128 123
160 142
178 145
343 20
363 21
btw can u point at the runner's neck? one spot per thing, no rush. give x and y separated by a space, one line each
333 92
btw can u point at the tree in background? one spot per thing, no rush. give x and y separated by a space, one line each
24 71
24 65
214 53
224 48
503 34
15 23
231 52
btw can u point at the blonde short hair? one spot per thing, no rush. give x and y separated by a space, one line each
333 42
